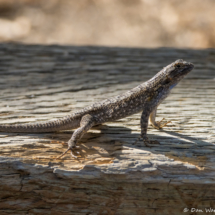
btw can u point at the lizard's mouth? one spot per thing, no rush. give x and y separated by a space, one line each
188 68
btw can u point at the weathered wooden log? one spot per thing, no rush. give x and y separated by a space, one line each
110 176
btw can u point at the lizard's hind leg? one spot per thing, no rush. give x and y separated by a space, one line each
87 121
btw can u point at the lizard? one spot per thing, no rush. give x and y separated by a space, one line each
146 97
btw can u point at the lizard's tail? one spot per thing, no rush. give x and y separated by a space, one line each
68 122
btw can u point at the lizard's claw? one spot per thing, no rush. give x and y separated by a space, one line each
74 155
72 148
62 154
136 140
145 142
162 123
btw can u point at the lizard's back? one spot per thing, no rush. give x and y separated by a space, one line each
107 110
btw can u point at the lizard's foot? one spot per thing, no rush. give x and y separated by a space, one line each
72 147
160 124
136 140
145 142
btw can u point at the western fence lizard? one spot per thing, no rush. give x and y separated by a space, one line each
146 97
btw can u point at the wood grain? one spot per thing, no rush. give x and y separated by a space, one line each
111 176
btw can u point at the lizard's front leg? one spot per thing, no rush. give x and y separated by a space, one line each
157 125
87 121
144 125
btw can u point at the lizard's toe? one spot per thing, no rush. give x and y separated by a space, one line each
145 142
142 143
71 147
162 123
73 155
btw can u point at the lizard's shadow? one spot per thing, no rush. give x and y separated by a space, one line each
111 141
114 139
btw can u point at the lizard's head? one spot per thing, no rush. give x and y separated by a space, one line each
174 72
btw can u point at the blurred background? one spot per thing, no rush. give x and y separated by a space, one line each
130 23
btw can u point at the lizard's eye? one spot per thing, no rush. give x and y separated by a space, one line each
178 65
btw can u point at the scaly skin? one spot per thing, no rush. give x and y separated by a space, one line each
146 97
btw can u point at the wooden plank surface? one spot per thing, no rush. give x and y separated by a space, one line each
40 83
